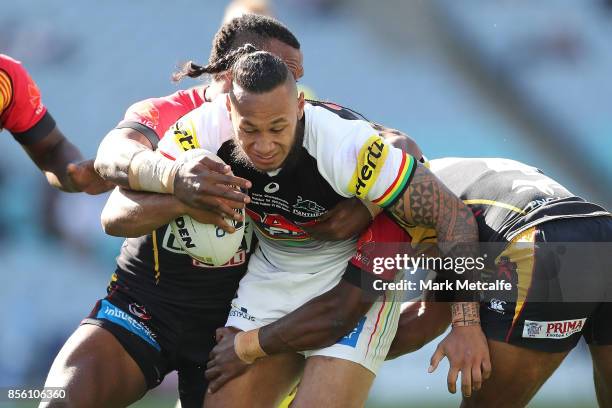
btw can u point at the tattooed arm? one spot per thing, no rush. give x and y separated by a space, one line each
429 203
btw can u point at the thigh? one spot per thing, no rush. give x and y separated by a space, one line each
333 382
518 373
264 384
95 371
531 315
196 343
602 373
419 323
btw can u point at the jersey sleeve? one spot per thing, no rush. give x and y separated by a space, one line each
382 239
206 127
21 109
153 117
355 160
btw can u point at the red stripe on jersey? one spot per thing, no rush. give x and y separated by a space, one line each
167 156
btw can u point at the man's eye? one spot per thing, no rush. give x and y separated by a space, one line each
249 130
278 130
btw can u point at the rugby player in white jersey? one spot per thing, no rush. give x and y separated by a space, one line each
268 120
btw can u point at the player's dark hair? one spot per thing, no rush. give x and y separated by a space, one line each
259 72
246 29
222 64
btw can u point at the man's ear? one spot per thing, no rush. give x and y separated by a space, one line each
301 103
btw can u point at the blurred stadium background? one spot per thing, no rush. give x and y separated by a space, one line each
497 78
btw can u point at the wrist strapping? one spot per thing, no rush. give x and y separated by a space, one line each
247 347
150 171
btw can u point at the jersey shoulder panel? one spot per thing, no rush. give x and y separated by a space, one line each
21 107
206 127
158 114
354 159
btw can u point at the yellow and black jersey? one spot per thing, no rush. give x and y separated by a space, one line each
508 197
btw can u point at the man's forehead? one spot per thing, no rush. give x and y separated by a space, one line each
241 95
293 57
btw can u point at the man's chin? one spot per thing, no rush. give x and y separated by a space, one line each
265 167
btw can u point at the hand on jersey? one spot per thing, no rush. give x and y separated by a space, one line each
210 185
223 362
468 352
347 219
83 177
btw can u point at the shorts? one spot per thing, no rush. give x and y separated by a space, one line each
161 338
367 344
533 317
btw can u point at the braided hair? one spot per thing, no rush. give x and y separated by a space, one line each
246 29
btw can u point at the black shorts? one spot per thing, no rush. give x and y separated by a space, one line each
533 317
162 338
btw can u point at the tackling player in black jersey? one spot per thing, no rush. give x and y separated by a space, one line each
532 330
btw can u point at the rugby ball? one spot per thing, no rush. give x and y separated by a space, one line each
207 243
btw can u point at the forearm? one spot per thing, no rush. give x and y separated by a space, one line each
56 164
115 154
52 155
132 214
428 202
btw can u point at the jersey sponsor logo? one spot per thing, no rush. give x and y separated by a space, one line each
560 329
276 226
241 312
497 305
307 208
139 311
238 259
148 113
34 95
112 313
272 188
352 338
185 135
538 203
370 161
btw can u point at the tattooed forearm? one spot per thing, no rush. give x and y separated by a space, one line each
465 314
429 203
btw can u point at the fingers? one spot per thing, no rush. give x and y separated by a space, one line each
451 379
236 197
210 217
220 178
218 206
466 381
216 166
219 334
217 383
476 377
438 355
212 373
486 367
